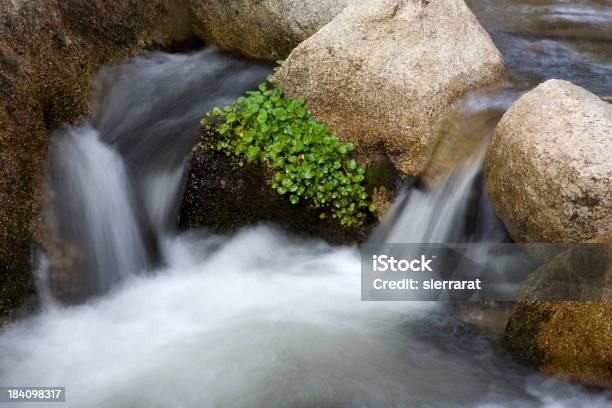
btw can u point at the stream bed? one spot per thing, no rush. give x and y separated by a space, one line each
262 318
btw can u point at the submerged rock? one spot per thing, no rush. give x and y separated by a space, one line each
549 166
267 29
48 53
382 73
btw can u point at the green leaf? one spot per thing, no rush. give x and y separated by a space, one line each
224 129
252 152
231 117
307 160
262 117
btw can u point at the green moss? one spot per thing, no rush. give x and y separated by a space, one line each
310 164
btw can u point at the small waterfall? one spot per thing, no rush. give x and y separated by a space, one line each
93 215
454 209
149 110
113 185
432 214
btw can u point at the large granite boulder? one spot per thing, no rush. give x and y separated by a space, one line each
267 29
549 166
383 73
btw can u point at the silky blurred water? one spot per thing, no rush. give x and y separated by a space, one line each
262 319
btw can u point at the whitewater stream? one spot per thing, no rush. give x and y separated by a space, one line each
262 318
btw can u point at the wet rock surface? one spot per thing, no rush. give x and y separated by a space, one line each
571 339
567 339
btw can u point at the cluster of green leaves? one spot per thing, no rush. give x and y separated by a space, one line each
310 164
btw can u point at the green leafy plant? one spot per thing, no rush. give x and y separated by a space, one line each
310 164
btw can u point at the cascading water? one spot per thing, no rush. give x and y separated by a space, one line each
114 184
149 110
90 185
440 213
258 319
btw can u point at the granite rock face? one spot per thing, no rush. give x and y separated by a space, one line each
382 73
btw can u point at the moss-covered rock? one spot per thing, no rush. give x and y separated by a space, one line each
571 339
264 158
568 339
223 197
48 53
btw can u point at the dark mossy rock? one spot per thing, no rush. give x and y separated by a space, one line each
522 331
223 197
17 293
572 340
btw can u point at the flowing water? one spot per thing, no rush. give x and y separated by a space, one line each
262 318
114 184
